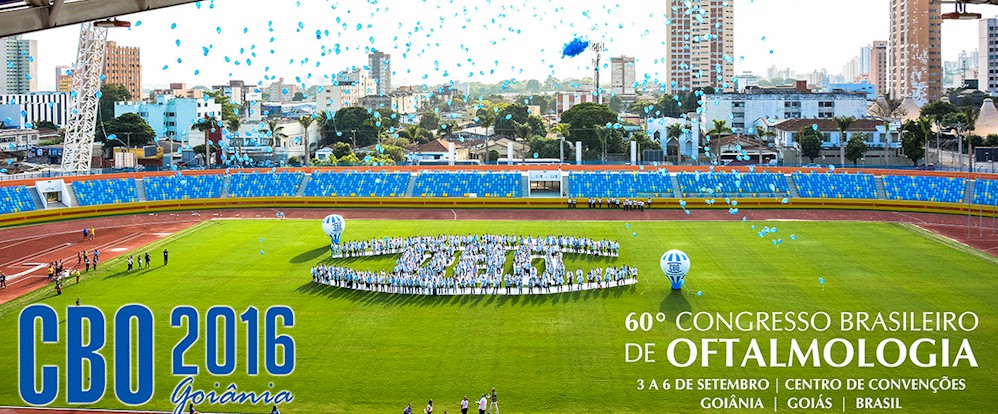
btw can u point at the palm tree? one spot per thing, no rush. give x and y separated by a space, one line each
415 134
674 131
208 124
843 123
720 128
306 121
887 109
276 135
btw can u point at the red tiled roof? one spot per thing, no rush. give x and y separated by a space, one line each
828 125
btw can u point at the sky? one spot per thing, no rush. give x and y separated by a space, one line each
439 41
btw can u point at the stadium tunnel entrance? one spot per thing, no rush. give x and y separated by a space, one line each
546 184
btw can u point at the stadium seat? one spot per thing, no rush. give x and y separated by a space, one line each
828 185
619 184
356 184
98 192
283 184
175 187
15 199
464 184
712 184
986 192
922 188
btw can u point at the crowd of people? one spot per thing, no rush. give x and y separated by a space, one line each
615 203
489 403
481 269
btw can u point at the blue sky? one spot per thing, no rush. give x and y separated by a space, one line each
485 41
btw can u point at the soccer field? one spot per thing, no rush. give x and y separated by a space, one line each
364 352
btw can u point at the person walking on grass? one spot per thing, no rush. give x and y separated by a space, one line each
495 402
148 260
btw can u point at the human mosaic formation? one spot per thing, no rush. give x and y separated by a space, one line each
481 268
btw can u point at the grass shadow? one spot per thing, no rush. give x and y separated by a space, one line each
310 256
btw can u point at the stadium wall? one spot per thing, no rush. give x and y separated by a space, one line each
34 217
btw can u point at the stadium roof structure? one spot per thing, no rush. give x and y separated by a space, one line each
987 121
17 16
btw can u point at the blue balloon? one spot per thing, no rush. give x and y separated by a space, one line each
628 225
261 240
793 237
699 293
261 252
575 47
821 280
634 234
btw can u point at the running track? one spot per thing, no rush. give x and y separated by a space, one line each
24 249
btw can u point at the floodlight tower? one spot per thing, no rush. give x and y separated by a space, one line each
597 48
84 102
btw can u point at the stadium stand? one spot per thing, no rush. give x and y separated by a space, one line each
825 185
357 184
463 184
15 200
182 188
97 192
986 192
922 188
619 184
283 184
741 184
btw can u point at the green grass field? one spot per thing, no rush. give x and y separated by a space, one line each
362 352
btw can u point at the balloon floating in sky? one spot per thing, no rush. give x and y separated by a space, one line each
575 47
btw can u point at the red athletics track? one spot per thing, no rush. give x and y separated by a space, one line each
21 246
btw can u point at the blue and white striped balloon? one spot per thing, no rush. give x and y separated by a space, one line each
333 225
675 264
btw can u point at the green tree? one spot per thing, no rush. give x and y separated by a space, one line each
508 117
299 96
228 108
416 133
584 118
128 129
913 141
341 149
447 129
429 121
992 140
536 125
616 103
936 110
111 93
810 142
521 130
46 125
350 125
275 132
856 148
843 123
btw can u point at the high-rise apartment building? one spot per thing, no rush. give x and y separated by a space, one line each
380 66
622 76
701 44
63 78
915 66
878 67
123 66
988 55
18 69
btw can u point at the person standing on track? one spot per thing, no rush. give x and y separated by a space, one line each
3 280
96 257
86 233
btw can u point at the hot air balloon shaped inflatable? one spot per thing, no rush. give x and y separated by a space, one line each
675 264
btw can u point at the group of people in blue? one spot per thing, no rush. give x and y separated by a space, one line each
481 269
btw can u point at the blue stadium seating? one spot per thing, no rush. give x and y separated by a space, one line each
619 184
182 188
462 184
283 184
97 192
921 188
15 200
357 184
825 185
710 184
986 192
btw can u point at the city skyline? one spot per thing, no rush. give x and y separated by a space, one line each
447 50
